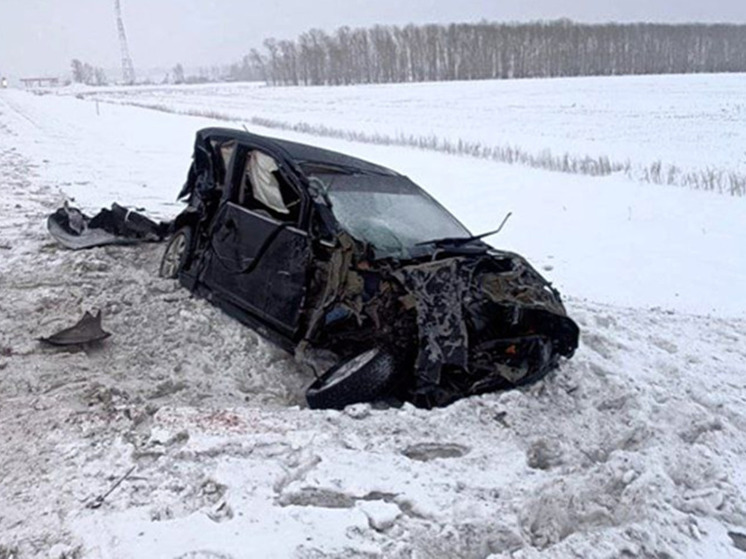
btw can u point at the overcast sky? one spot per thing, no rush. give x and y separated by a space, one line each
40 37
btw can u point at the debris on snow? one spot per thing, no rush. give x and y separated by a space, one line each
87 330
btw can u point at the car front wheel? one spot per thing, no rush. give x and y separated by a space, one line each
364 378
176 253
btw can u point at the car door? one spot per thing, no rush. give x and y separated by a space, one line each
260 254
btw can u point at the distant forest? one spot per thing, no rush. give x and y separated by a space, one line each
389 54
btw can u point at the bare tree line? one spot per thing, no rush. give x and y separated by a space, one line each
87 74
389 54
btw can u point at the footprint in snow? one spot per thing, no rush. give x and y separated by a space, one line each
424 452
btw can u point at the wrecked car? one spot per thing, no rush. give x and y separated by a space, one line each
360 273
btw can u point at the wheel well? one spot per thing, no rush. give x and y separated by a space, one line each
184 219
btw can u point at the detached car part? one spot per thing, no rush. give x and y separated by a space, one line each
360 272
117 226
87 330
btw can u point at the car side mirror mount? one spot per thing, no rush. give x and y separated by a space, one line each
317 190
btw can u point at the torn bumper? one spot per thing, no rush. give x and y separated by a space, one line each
117 226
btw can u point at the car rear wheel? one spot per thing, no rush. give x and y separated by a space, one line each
176 253
363 378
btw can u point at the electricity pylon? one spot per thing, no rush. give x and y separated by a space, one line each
128 69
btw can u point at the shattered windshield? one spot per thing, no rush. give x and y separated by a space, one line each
390 212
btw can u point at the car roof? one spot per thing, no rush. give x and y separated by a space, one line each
297 152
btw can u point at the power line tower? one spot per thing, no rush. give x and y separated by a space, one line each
128 69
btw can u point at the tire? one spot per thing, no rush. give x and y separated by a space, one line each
176 254
364 378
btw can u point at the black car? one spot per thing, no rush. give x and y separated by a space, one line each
360 273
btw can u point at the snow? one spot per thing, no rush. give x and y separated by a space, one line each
634 447
691 121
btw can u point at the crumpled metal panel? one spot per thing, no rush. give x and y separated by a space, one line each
438 288
88 329
117 226
519 284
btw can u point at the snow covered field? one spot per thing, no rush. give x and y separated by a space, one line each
634 448
692 122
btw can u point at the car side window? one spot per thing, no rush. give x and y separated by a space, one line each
264 190
220 153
